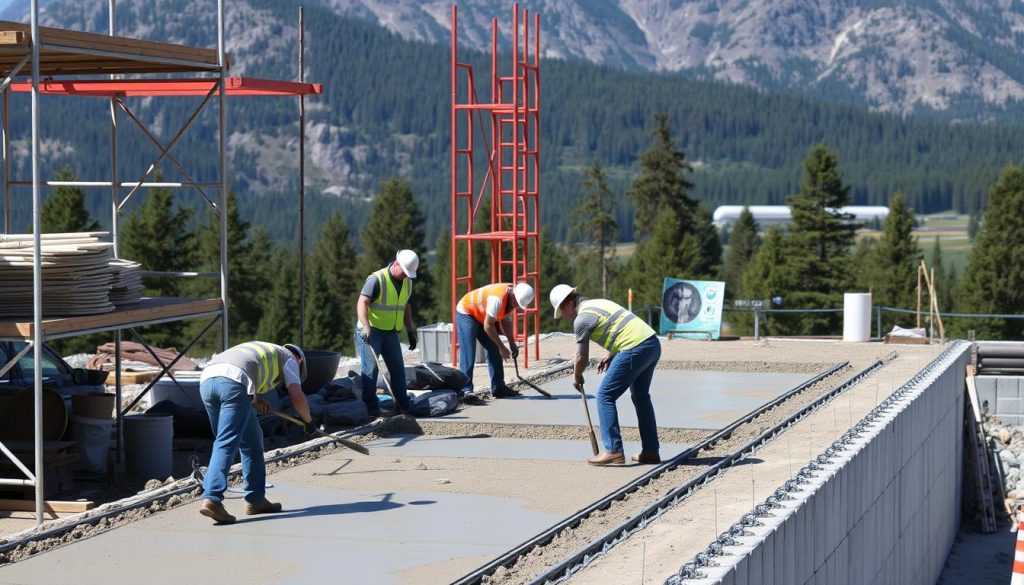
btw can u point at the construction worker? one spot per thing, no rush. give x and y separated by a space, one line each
231 386
383 312
634 352
483 314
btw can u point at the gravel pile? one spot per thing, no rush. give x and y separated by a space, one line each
1008 442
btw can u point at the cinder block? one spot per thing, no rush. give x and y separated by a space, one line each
1008 387
1008 406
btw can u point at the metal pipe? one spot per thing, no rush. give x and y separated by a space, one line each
302 183
222 65
453 243
6 123
148 184
115 191
19 482
18 356
118 396
37 270
17 463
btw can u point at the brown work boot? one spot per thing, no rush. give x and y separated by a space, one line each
608 459
215 510
263 506
643 457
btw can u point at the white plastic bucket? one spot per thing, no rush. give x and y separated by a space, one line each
93 437
857 317
148 445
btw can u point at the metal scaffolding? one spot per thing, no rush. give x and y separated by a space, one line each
56 53
509 143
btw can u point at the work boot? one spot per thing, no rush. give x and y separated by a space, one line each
649 458
263 506
373 412
215 510
504 391
606 458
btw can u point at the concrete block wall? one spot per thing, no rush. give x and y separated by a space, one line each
1003 397
883 511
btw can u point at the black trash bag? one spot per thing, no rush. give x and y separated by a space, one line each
434 403
340 389
432 376
339 412
188 422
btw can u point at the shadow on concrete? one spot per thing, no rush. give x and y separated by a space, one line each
384 504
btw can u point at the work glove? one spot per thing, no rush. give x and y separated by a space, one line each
310 428
364 334
412 340
514 350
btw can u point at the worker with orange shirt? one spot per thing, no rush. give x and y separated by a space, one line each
483 314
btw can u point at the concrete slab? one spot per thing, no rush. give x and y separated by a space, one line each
682 399
497 448
338 536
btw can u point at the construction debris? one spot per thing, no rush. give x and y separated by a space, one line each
138 352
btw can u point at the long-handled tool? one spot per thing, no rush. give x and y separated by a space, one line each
387 382
590 424
543 392
350 444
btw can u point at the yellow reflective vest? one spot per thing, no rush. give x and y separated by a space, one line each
387 313
617 328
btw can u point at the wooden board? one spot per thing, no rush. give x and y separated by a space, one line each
147 309
67 52
49 506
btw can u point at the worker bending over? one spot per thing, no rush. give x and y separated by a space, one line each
634 352
232 385
483 314
383 311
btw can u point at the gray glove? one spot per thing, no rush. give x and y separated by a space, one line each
364 333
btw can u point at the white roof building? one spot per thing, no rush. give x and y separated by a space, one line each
769 215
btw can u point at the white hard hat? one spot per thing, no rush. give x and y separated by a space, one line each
409 262
303 368
558 296
524 295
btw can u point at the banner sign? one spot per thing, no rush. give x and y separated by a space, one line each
692 306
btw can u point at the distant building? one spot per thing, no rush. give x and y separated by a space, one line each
769 215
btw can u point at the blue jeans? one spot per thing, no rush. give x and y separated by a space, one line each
235 428
387 346
633 369
470 331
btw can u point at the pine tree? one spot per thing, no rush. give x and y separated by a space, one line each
945 282
895 260
334 285
280 321
248 275
156 235
819 241
973 226
710 258
668 252
595 222
763 279
994 279
396 223
557 268
743 243
64 210
662 183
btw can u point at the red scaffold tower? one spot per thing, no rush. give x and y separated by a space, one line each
495 159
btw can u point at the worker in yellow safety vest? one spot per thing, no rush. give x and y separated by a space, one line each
483 314
383 312
233 386
634 351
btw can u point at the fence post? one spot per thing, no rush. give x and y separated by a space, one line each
757 323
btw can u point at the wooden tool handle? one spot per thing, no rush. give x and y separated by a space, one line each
350 444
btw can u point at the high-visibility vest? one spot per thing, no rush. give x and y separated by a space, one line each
617 328
263 362
387 313
475 301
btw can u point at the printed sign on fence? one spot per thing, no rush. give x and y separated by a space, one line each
692 306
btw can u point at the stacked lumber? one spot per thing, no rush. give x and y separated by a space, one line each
80 275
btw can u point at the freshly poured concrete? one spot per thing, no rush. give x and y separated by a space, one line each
682 399
494 448
335 536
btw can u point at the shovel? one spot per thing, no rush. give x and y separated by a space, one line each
350 444
590 424
543 392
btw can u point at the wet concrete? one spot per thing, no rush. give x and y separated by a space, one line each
496 448
358 537
682 399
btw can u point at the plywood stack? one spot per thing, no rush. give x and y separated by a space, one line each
80 275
